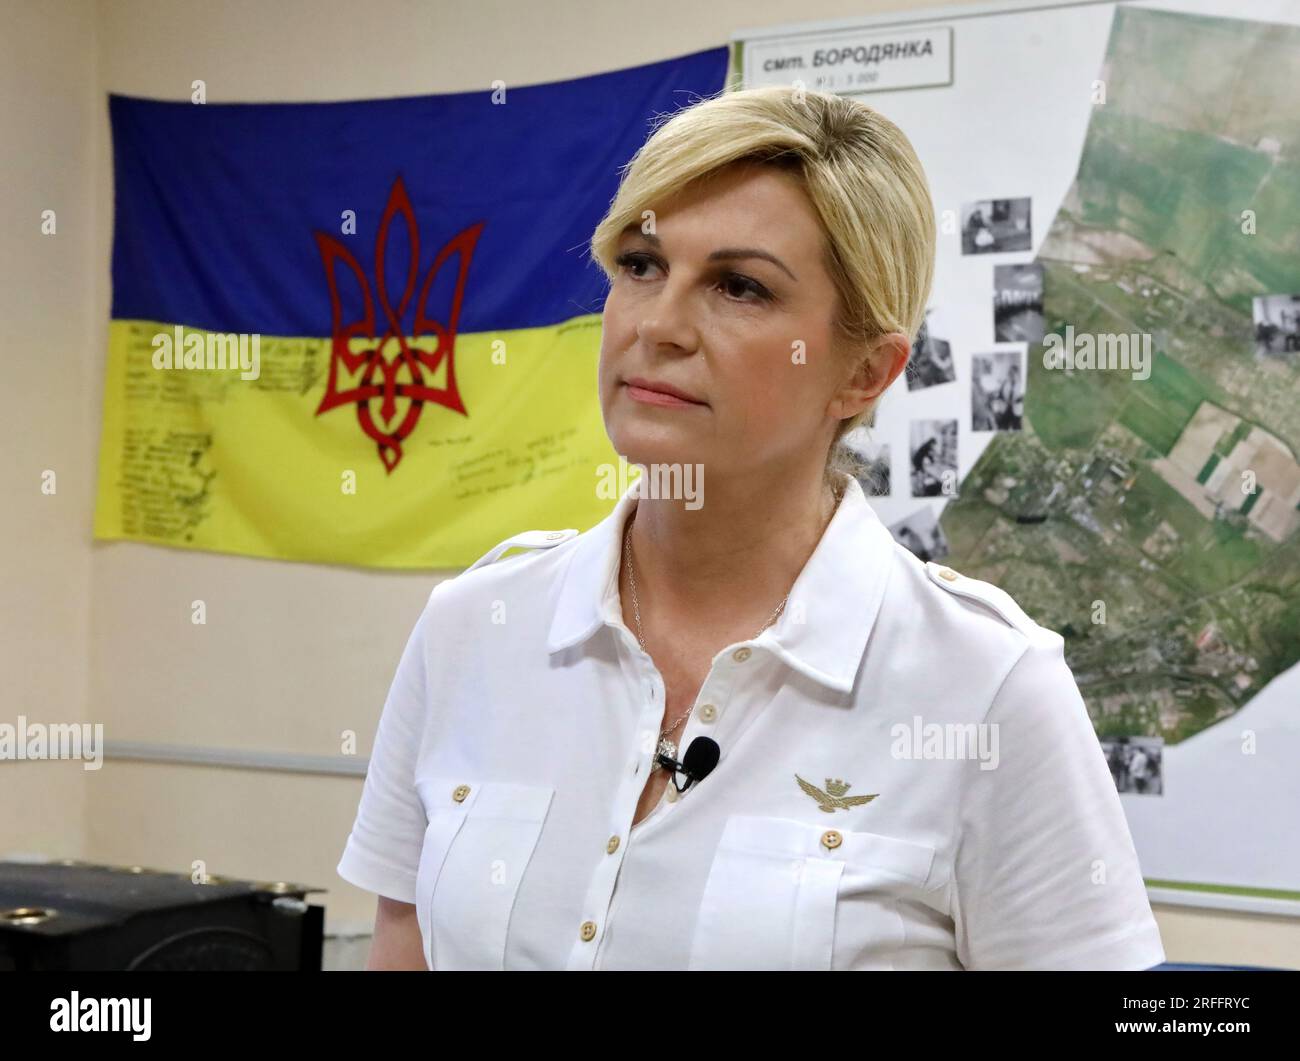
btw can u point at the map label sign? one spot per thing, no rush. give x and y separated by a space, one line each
853 61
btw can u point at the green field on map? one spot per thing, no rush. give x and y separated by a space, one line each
1170 502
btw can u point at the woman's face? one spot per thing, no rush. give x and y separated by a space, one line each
728 302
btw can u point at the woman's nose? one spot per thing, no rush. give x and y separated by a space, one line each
668 319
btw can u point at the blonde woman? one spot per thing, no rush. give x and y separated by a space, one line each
752 733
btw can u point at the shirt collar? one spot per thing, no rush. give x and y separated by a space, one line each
837 594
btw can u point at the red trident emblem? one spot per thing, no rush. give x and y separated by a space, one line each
387 366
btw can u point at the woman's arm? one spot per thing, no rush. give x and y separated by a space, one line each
397 943
1046 872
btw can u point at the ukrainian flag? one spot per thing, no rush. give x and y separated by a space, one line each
365 332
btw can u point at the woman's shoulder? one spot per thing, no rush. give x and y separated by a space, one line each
989 598
966 604
490 570
973 633
530 539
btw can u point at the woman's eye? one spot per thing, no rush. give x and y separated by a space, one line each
734 284
731 280
631 260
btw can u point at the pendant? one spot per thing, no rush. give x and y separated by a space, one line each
668 748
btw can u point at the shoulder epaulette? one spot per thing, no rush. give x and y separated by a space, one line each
986 593
534 539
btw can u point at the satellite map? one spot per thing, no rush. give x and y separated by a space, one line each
1152 518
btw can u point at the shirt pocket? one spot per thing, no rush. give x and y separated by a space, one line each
477 846
779 891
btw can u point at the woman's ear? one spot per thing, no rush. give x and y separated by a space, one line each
889 357
874 372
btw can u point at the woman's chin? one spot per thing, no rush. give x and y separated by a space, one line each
653 460
646 448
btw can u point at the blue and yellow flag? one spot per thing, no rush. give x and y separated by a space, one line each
366 332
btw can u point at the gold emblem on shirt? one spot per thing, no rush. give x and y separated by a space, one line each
833 798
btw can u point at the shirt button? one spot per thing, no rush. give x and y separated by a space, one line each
459 793
672 793
612 846
947 574
708 713
831 839
553 535
740 655
588 931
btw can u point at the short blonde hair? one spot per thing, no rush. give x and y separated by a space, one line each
859 171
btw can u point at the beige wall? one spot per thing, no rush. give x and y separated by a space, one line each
49 386
292 655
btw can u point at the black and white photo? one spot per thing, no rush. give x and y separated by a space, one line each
1277 325
931 361
1018 303
997 391
1135 764
921 535
934 458
994 226
871 461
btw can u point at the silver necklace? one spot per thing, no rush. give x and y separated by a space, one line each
667 747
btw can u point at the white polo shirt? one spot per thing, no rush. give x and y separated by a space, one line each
518 734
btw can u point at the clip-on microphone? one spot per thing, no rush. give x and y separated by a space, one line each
698 762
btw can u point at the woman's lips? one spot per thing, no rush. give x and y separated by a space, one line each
641 394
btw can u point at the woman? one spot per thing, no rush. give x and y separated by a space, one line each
906 774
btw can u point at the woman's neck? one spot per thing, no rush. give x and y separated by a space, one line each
734 557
